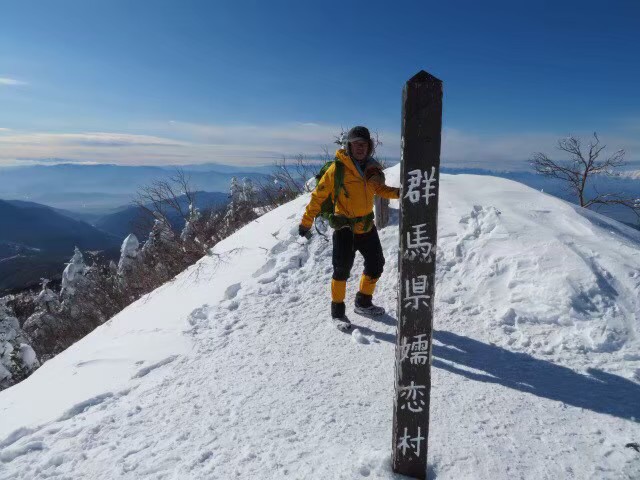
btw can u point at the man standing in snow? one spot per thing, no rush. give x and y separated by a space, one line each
359 178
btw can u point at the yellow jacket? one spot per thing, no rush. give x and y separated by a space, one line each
356 196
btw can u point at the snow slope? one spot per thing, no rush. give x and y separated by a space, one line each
233 371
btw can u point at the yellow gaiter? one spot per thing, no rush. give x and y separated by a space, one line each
367 284
338 290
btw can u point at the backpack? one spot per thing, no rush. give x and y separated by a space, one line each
327 209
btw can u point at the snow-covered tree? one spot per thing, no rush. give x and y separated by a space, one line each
189 231
248 191
128 254
17 358
161 254
235 190
239 212
161 234
44 326
73 274
47 300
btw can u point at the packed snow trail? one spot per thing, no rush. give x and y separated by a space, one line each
233 370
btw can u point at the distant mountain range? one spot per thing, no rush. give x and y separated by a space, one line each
36 240
134 219
99 189
43 228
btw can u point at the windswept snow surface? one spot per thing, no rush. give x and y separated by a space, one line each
234 371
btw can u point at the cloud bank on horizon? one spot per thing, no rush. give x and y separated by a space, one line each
175 143
11 82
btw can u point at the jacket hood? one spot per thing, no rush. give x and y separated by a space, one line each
343 156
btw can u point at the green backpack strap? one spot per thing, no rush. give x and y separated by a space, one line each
328 207
338 180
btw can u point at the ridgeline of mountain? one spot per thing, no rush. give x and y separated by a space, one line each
88 218
134 219
100 188
41 227
36 240
627 185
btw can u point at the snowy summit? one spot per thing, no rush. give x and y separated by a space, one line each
233 369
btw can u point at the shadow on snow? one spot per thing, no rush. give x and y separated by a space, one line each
597 390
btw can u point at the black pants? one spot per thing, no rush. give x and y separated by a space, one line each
345 246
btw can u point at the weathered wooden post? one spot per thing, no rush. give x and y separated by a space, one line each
381 207
420 173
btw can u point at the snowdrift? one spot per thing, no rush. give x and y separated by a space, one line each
233 371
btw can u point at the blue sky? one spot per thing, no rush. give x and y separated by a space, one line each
157 82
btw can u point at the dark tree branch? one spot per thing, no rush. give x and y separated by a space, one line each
582 166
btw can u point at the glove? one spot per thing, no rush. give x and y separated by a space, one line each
375 175
304 232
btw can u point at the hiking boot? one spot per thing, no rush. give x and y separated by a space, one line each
339 318
365 307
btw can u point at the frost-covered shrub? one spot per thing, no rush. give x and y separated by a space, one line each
189 232
46 332
128 254
17 358
44 326
73 273
248 191
47 300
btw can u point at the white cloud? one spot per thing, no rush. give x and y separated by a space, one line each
281 136
182 143
12 82
460 149
634 174
119 148
270 141
513 151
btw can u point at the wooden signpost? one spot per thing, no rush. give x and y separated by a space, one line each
420 173
381 208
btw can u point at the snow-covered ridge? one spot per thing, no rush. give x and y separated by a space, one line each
232 369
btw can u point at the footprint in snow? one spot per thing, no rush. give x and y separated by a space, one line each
232 291
143 372
229 305
198 317
279 248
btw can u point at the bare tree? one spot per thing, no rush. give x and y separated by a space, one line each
162 196
294 175
288 180
582 165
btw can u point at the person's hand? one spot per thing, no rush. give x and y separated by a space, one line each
304 232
